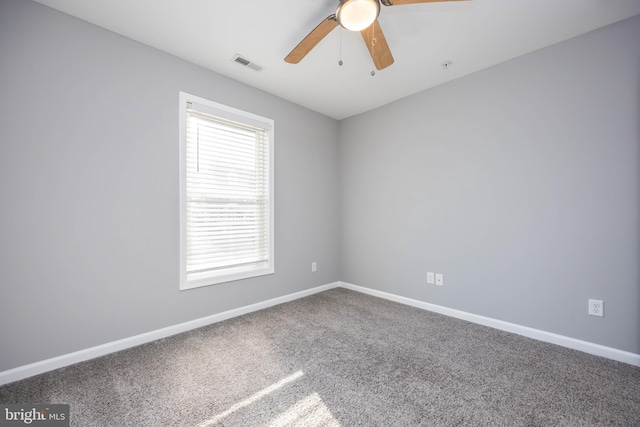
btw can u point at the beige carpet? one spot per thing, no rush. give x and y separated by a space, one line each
341 358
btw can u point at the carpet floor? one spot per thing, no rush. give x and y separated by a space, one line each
341 358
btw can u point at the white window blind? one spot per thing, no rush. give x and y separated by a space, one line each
227 197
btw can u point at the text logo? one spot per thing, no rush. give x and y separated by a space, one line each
40 415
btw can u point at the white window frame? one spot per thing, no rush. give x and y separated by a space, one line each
227 274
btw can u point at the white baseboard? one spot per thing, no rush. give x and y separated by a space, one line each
32 369
36 368
564 341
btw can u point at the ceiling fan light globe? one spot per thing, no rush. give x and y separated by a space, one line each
356 15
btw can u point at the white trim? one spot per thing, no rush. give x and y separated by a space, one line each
36 368
561 340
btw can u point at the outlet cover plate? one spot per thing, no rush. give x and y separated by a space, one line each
439 279
596 307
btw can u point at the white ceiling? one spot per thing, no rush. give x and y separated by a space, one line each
472 34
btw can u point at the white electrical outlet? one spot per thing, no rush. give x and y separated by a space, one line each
431 278
314 267
439 279
596 307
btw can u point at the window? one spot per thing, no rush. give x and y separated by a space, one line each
226 193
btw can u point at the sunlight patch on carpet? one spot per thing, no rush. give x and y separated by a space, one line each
252 399
310 411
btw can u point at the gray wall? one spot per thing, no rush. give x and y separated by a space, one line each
520 183
89 188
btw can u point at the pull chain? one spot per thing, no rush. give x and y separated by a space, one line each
340 61
373 46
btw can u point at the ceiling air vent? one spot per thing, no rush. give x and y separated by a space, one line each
245 62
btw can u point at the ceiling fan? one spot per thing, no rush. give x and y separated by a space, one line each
355 15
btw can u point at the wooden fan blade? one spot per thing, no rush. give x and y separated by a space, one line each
311 40
377 45
401 2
